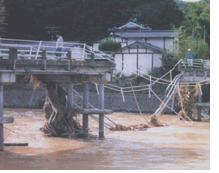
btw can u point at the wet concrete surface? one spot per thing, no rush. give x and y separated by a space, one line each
178 146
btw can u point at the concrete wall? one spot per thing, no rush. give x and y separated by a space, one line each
35 99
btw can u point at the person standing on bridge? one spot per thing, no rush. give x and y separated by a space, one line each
190 56
59 45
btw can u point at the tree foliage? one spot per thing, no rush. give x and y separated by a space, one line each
197 15
161 14
2 19
109 45
83 20
198 46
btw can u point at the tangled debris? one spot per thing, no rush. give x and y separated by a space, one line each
187 97
153 122
57 114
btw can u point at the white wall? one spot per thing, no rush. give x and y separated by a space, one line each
95 46
118 61
157 60
156 42
169 44
130 64
144 63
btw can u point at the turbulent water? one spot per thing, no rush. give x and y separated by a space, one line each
178 146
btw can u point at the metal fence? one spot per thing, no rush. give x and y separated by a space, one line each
197 64
29 49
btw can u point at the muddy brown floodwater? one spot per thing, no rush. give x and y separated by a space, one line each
179 146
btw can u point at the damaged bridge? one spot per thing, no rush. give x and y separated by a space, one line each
37 60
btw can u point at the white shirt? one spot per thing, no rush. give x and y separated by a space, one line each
59 40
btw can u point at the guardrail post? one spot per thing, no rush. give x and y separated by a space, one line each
43 54
69 54
92 56
13 56
38 49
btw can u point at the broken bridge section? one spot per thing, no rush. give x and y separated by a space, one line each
198 73
58 70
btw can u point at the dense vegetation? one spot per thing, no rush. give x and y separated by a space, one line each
109 45
84 20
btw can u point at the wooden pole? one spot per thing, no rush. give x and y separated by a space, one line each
85 105
1 116
101 116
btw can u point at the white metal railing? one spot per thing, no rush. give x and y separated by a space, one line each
197 63
31 49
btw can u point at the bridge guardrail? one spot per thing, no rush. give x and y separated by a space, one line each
197 64
29 49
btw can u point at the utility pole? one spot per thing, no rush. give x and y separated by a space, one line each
204 33
51 30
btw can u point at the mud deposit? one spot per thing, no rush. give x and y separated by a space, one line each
178 146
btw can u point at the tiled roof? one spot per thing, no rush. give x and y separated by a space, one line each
148 34
142 34
145 45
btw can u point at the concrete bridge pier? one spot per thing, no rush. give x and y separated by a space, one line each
101 107
1 116
5 78
85 105
70 101
199 101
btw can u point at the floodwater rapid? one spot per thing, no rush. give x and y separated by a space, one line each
178 146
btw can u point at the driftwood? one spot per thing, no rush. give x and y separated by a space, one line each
120 127
153 122
56 112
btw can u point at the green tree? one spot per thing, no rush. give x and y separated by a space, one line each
161 14
198 46
109 45
197 15
77 20
2 19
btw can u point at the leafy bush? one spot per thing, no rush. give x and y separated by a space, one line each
199 47
109 45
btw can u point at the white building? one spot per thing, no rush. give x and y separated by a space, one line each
142 47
